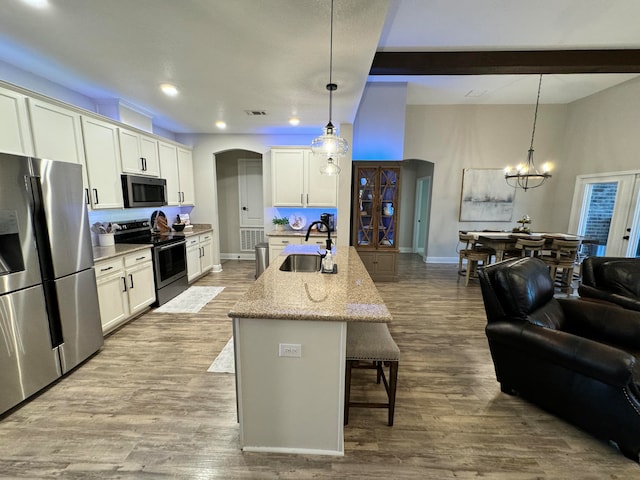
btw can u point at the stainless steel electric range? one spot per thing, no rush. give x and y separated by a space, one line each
169 256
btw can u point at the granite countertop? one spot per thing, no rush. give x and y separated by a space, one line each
349 295
105 253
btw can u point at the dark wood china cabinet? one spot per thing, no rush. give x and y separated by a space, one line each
375 216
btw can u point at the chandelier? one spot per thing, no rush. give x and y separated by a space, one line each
527 176
330 144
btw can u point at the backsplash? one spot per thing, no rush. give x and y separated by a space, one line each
311 214
115 216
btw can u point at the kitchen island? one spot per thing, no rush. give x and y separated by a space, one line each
289 338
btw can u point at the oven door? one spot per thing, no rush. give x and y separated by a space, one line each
170 263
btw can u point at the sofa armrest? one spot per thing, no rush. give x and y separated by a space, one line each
609 323
596 360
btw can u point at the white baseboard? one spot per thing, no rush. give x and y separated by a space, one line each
298 451
238 256
453 260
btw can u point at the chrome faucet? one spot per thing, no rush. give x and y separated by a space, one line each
320 222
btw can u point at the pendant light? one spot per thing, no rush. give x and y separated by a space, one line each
329 144
527 176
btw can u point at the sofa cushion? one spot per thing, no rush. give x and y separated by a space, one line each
621 277
524 286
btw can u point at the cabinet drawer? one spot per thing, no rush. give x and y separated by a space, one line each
285 241
205 237
108 267
137 257
192 241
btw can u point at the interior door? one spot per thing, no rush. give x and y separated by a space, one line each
250 188
606 208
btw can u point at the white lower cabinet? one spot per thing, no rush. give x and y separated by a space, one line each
277 243
125 287
199 255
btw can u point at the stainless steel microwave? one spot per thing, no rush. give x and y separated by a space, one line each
143 191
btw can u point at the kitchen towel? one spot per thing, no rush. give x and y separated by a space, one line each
190 301
224 362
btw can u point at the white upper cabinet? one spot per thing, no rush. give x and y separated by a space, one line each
168 155
139 153
57 133
15 135
103 163
185 166
176 167
297 182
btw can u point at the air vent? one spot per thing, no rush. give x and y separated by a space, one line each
255 113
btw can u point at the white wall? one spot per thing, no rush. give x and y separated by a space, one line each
593 135
457 137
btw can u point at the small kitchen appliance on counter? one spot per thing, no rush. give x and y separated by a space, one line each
329 219
169 256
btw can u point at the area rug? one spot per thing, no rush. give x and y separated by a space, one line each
224 362
190 301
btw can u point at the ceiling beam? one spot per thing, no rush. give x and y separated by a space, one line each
506 62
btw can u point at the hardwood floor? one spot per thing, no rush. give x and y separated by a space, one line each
146 408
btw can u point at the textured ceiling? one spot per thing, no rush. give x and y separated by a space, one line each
227 57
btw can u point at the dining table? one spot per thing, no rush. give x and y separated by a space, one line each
503 241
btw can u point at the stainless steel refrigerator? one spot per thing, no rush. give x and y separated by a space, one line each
49 314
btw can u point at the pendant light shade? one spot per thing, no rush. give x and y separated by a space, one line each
330 145
330 168
527 176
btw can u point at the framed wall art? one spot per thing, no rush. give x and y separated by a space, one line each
486 196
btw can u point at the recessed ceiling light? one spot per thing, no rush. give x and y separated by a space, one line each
169 89
221 125
294 121
37 3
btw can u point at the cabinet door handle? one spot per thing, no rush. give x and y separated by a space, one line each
131 280
106 269
124 284
86 196
142 163
307 199
95 195
301 198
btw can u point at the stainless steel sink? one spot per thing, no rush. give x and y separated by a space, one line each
301 263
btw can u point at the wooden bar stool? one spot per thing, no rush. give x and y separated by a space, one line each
563 257
472 254
371 346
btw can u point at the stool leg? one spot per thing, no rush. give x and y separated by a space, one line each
470 266
393 382
347 390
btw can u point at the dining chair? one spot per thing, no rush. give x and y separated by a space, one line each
526 247
563 255
471 253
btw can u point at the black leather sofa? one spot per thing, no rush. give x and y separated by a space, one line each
612 279
579 360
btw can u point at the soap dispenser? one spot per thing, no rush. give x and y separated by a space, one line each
327 263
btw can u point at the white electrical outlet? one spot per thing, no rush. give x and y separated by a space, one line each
290 350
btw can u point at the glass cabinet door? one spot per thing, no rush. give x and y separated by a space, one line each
377 207
388 194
